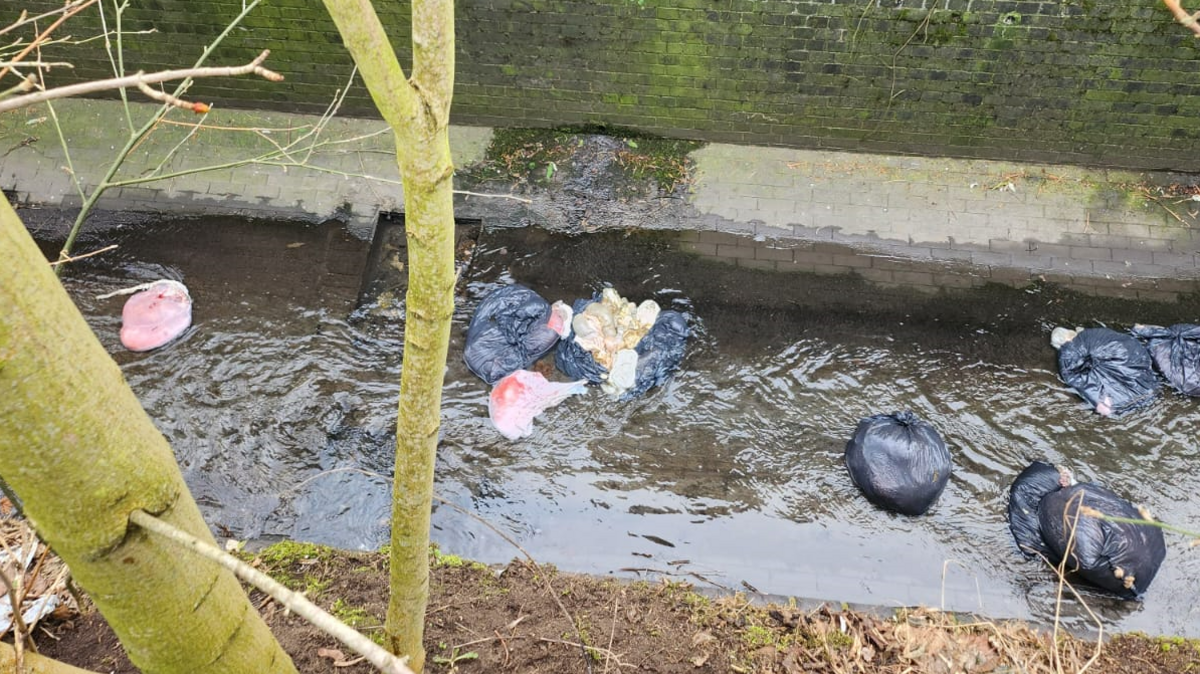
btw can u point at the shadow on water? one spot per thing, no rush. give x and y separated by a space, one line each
280 405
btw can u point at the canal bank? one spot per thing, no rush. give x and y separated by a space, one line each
929 223
734 467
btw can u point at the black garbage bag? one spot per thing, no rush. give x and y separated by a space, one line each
511 329
1110 370
1176 354
659 352
574 360
1120 557
1024 503
899 462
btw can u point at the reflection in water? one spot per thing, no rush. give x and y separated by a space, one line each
281 412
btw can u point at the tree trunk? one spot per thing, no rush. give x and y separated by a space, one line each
418 111
81 453
33 663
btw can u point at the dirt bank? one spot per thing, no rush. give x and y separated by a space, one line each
525 618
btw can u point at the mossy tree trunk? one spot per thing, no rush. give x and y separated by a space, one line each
418 110
34 663
81 453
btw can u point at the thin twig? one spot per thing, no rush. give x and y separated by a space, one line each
25 18
664 572
345 469
1092 512
605 651
1146 193
37 41
80 257
612 633
251 129
16 597
1060 569
293 601
495 196
18 623
545 577
163 97
139 78
135 136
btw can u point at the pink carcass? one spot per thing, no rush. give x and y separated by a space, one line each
523 395
156 314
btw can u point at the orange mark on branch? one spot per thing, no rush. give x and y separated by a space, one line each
1183 17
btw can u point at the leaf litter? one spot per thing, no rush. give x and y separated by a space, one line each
483 619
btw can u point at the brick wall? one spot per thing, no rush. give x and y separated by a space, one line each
1071 81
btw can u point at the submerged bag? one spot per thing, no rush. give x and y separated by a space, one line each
659 353
1024 505
899 462
1176 354
574 360
1120 557
1044 517
1110 370
512 327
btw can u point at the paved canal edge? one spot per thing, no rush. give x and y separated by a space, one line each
930 223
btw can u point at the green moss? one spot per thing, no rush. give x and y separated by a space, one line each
290 563
685 69
833 639
358 618
437 559
286 553
537 155
313 586
756 636
1167 644
695 600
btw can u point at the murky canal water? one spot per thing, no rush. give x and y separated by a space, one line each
280 407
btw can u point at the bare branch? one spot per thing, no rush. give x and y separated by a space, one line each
25 18
139 79
37 64
68 13
164 97
1182 16
27 84
293 601
85 255
495 196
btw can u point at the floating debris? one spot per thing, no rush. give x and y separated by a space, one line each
157 313
523 395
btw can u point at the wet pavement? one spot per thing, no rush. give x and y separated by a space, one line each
1099 231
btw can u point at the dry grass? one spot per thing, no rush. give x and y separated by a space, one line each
32 578
729 633
786 640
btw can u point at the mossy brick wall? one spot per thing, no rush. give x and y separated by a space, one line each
1078 81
